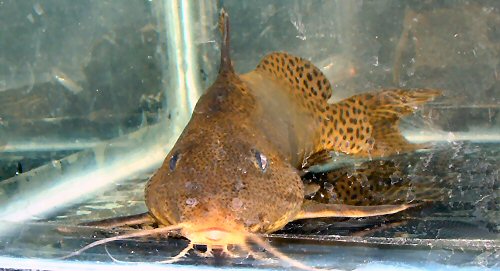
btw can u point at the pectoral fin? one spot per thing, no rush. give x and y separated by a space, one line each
311 209
122 221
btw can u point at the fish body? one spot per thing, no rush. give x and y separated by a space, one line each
235 169
238 167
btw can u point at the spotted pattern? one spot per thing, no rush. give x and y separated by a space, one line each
346 127
219 172
362 125
368 124
307 82
215 176
375 183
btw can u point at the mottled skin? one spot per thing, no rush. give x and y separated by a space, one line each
235 168
217 181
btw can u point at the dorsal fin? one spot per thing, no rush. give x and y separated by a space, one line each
303 77
225 58
364 125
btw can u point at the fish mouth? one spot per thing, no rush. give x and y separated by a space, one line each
215 233
216 236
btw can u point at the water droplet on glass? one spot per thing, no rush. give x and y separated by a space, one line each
410 197
363 180
56 164
38 9
394 178
328 187
333 198
349 173
410 72
30 18
450 137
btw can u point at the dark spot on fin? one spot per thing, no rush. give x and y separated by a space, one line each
386 109
225 58
372 183
306 81
368 123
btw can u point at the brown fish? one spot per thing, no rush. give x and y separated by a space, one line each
235 171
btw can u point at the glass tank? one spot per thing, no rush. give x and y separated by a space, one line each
94 94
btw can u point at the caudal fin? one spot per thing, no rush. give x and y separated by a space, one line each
367 125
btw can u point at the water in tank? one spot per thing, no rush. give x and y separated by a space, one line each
94 94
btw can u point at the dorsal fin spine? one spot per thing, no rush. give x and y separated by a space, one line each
225 58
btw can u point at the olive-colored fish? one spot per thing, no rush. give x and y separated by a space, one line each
235 170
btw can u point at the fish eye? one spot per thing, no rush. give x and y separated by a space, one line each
173 161
261 160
